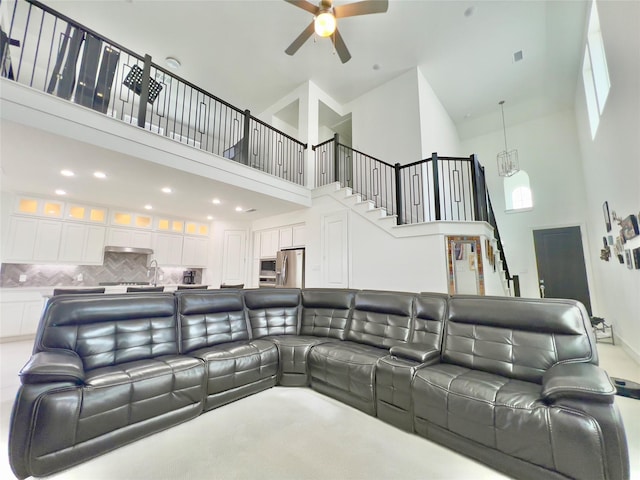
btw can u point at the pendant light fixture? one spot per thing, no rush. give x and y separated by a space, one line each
507 159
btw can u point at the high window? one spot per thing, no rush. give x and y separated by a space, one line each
517 192
595 74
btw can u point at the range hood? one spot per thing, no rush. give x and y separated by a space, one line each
114 249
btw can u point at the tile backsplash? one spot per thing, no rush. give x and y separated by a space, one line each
117 267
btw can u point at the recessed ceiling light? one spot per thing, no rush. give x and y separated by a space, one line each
209 217
216 201
59 191
469 11
172 62
166 189
99 174
67 173
238 209
376 66
148 207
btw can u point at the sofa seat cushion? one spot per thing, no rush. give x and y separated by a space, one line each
127 393
501 413
234 364
346 366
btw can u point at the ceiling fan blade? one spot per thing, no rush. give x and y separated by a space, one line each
303 4
303 37
360 8
341 47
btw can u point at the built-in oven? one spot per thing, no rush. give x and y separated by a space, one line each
267 276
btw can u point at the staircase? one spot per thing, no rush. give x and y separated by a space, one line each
386 224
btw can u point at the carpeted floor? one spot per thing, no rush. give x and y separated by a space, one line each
288 433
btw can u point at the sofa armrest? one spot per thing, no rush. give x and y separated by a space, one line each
577 381
48 367
419 352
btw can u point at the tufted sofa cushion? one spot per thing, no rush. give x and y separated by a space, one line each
273 311
516 338
210 317
110 329
381 319
325 312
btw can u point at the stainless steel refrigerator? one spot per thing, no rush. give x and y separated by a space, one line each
290 268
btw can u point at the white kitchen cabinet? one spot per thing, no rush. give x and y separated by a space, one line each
299 234
194 251
269 243
47 241
82 244
167 249
20 312
32 240
11 319
233 257
21 239
125 237
31 317
285 237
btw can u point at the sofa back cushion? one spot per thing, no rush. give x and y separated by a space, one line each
273 311
430 313
209 317
325 312
110 329
517 338
381 319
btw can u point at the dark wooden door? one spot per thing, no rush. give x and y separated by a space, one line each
561 266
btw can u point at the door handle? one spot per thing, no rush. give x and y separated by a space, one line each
541 288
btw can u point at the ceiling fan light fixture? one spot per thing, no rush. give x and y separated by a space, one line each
325 24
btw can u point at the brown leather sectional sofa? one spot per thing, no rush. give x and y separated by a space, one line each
511 382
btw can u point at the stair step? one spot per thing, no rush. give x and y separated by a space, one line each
365 205
329 188
353 199
376 213
390 220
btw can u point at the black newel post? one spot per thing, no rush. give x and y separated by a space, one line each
399 212
479 190
336 158
436 185
144 91
245 137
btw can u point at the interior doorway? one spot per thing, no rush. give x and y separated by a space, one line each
561 266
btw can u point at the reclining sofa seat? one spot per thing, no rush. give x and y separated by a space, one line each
214 329
518 387
105 371
346 370
395 372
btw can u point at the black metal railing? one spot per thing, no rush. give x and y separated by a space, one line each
434 189
51 52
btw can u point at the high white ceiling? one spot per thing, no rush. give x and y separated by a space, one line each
235 50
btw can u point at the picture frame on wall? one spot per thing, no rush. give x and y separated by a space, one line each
607 216
629 227
629 258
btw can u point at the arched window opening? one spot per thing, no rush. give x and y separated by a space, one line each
517 192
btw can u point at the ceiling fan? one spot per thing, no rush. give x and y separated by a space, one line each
325 24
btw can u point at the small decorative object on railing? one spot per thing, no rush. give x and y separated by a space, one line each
133 81
507 159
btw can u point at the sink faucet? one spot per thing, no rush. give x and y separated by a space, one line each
155 271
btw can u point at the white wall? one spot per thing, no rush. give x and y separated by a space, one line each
549 153
438 133
385 121
611 167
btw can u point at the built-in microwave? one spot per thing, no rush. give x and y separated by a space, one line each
267 276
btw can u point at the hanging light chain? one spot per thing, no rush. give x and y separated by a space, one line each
504 128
